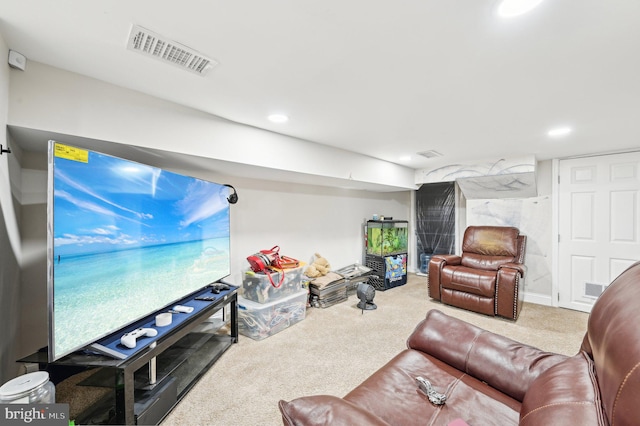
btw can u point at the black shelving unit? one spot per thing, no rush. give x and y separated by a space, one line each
386 251
145 387
380 268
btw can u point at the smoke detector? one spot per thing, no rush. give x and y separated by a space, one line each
151 44
430 154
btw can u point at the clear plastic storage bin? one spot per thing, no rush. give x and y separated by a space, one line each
258 288
261 320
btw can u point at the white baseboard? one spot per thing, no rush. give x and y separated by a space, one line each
539 299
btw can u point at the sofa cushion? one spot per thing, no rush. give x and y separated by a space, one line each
503 363
472 302
566 393
491 240
487 263
474 281
392 394
326 410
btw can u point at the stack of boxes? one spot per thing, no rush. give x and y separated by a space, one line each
264 309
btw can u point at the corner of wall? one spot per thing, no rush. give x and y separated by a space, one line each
9 267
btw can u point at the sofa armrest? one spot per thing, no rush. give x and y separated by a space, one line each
504 364
448 259
436 264
520 267
326 410
509 288
567 393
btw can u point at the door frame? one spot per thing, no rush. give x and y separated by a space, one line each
555 232
555 211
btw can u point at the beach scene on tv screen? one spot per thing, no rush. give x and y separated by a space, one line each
128 240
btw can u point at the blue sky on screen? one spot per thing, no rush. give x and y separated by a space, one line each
114 204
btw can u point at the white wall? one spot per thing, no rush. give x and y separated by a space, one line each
304 219
533 216
48 98
9 240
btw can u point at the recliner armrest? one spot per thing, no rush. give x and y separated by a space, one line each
323 410
503 363
449 259
436 264
521 268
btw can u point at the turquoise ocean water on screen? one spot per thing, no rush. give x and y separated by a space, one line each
135 274
128 239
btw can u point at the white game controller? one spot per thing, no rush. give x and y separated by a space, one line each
129 339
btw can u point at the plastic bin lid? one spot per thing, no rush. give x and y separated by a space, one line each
24 384
250 304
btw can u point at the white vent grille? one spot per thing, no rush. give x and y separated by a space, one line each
430 154
593 290
151 44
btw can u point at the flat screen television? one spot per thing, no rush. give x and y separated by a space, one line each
125 240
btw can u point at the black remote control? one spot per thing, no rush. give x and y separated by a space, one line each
217 288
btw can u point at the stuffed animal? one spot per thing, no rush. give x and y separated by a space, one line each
319 268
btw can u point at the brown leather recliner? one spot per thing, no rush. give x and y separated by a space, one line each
489 275
489 379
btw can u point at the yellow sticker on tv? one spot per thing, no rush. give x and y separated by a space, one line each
71 153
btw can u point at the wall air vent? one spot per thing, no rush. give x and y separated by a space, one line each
430 154
593 290
154 45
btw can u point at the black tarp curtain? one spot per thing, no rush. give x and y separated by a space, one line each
435 221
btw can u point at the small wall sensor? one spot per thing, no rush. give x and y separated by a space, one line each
17 60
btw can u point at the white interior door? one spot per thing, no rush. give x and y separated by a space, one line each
598 225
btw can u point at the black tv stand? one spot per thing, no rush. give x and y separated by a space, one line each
145 386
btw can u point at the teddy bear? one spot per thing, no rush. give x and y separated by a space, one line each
320 267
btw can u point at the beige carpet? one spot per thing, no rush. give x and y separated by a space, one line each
334 349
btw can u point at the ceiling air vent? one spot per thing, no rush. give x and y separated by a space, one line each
154 45
430 154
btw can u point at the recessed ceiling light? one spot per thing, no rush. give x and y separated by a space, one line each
511 8
560 131
278 118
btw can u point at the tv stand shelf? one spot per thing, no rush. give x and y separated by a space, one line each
179 359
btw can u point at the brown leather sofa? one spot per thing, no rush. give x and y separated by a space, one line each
492 380
489 275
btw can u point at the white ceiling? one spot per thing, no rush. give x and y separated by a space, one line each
382 78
